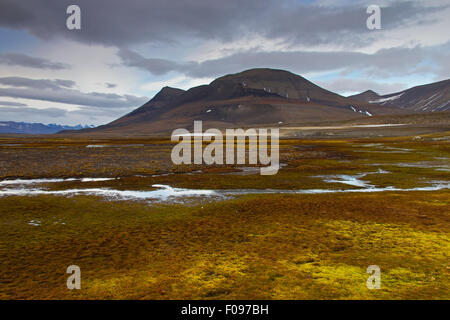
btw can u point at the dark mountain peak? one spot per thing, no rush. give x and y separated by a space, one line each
254 82
261 86
273 81
261 78
366 96
259 74
163 97
167 94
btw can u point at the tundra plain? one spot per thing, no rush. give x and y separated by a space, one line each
337 206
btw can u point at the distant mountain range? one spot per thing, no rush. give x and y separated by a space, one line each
35 128
267 97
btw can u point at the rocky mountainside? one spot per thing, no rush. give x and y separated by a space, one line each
426 98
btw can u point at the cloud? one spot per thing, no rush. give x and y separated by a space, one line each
12 104
155 66
346 85
169 21
61 91
36 83
110 85
30 113
85 115
385 62
23 60
313 25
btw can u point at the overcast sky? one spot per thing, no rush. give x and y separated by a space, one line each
126 51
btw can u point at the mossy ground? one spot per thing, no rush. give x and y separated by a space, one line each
251 247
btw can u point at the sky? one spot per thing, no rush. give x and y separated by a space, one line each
126 51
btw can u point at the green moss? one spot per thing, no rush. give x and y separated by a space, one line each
284 247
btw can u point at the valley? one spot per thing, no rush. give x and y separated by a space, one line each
220 159
140 227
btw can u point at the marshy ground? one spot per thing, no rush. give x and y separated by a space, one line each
336 207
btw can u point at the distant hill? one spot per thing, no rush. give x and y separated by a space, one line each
35 128
256 97
426 98
366 96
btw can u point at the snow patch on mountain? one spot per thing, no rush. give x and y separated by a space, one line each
387 99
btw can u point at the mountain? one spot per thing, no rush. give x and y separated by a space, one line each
35 128
426 98
366 96
166 95
256 97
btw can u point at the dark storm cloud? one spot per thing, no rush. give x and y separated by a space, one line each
61 91
36 83
336 24
114 22
155 66
12 104
14 15
23 60
385 62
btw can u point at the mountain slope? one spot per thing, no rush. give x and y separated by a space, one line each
426 98
167 94
366 96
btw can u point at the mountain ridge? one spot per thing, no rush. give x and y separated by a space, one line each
255 97
430 97
36 128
